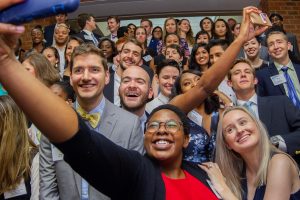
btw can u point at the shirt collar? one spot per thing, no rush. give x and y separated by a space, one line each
87 32
163 98
279 66
98 109
253 99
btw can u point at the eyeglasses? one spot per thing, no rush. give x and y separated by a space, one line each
170 126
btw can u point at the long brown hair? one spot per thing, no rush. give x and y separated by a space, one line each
15 145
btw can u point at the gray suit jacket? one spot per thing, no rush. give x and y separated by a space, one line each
59 181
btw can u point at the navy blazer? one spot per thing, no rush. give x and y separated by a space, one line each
265 86
108 90
281 117
48 34
82 35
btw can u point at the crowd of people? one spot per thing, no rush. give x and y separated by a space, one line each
150 112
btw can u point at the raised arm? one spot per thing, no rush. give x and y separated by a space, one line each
217 72
48 112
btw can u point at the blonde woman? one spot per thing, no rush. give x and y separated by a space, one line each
19 158
253 167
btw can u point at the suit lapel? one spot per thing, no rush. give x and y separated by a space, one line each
108 119
78 182
273 71
263 110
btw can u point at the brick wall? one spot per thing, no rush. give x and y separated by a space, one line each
290 11
26 38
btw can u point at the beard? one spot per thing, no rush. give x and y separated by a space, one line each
136 107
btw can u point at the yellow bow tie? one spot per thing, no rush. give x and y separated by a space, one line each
92 118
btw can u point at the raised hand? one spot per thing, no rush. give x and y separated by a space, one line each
247 30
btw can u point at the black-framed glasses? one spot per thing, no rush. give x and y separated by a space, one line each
171 126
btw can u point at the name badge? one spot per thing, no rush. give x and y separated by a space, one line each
278 79
57 155
195 117
147 58
20 190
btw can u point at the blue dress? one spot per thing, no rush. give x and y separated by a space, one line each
260 192
201 147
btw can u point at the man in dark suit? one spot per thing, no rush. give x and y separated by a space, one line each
280 116
49 30
272 80
87 24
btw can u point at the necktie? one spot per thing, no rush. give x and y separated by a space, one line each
114 36
248 105
95 40
92 118
291 88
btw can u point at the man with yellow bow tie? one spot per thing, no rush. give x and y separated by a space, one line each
89 75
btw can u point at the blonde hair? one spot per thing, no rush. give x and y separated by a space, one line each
44 71
15 145
232 164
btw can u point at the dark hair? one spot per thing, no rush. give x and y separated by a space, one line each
276 15
202 20
211 103
38 27
168 34
182 116
87 49
72 37
147 20
218 42
113 17
82 18
202 32
67 88
229 36
157 27
56 54
178 49
167 63
113 46
193 62
121 31
233 27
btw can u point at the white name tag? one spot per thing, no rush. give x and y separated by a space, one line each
20 190
278 79
57 155
147 58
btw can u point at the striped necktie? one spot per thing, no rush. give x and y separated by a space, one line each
292 94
